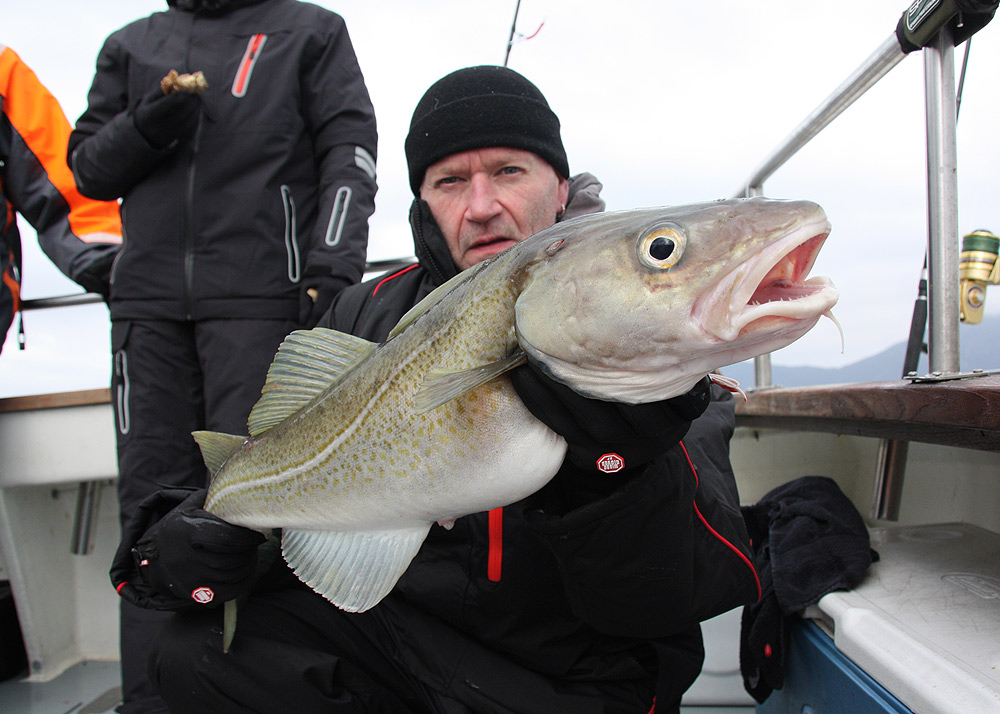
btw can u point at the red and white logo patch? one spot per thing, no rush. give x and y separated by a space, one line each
203 595
610 463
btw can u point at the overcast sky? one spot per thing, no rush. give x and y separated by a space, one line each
666 103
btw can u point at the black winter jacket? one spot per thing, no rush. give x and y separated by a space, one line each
605 596
271 195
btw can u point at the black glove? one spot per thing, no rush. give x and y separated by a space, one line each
96 277
311 309
163 119
188 557
607 437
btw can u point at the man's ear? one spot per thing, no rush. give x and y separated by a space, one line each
563 193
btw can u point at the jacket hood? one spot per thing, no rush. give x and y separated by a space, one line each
432 250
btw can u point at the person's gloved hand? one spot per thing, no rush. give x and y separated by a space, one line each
607 437
188 557
315 300
163 119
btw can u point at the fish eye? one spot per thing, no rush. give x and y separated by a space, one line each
662 246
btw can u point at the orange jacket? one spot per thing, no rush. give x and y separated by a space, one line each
80 235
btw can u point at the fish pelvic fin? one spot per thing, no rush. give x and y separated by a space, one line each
307 363
441 386
216 447
229 612
352 570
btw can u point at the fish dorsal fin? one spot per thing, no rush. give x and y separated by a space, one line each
307 362
216 447
355 570
434 297
441 385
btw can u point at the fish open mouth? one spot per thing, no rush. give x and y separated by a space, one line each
770 292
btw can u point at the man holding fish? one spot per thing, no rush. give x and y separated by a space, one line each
583 592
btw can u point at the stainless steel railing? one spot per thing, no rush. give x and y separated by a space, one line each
943 238
375 266
942 256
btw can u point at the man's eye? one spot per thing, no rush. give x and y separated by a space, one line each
510 170
448 180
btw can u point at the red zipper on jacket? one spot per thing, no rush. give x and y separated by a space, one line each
242 79
714 532
494 557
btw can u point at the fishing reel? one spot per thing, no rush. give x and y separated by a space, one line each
977 267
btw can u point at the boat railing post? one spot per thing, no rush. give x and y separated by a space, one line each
762 377
942 253
88 499
942 205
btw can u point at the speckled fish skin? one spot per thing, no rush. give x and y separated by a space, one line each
360 456
358 475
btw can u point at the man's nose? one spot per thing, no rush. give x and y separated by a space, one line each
483 199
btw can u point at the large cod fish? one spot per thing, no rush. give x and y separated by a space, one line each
357 449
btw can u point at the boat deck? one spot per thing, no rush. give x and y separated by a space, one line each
85 688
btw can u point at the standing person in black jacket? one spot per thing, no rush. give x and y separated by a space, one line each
245 210
584 597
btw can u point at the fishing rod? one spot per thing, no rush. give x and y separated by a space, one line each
513 28
519 35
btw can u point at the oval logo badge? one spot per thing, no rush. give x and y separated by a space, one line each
610 463
203 595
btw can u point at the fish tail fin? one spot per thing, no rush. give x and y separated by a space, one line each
217 447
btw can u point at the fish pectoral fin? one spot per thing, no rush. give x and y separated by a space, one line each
216 447
352 570
307 362
441 386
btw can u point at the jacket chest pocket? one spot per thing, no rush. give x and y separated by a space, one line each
254 84
244 72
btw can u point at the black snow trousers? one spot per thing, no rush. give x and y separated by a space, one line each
170 378
295 652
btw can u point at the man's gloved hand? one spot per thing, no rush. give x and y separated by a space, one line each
186 558
163 119
607 437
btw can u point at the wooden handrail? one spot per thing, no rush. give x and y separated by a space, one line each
52 401
959 412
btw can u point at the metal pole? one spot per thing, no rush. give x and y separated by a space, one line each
942 255
878 64
942 204
762 376
85 518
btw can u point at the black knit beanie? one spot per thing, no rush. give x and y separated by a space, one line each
480 107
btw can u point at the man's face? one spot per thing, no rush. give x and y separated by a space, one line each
486 200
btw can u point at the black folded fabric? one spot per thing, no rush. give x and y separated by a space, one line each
808 540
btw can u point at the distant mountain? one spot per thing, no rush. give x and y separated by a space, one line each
979 349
